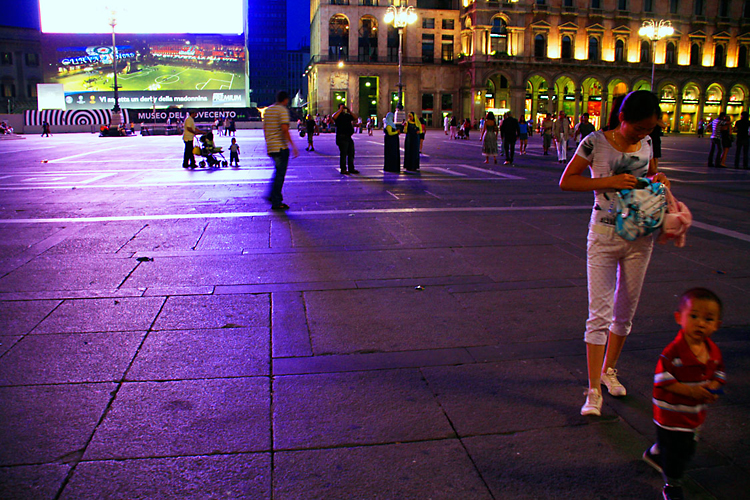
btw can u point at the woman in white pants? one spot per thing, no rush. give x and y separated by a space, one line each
616 267
561 134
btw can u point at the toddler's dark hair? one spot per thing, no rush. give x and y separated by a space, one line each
700 294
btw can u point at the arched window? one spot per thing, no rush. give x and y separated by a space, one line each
671 54
593 49
566 49
368 39
619 51
540 47
695 55
338 38
498 36
742 57
645 52
719 56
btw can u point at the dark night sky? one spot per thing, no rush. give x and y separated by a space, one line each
25 14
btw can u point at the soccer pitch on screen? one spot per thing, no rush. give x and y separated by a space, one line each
154 78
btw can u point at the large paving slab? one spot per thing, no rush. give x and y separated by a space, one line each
49 423
102 315
344 409
214 311
32 482
240 476
19 317
196 354
189 417
434 469
389 320
66 272
69 358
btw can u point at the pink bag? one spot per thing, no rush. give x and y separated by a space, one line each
676 222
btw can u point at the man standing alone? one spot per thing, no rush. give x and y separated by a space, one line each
189 131
344 120
278 141
561 134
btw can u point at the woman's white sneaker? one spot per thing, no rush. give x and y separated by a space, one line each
615 388
593 404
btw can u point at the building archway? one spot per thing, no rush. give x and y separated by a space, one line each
712 104
565 94
368 39
667 102
737 101
537 91
642 85
497 95
592 100
691 94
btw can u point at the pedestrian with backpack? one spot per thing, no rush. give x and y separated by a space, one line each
616 266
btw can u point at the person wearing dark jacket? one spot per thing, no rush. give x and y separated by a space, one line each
344 120
509 130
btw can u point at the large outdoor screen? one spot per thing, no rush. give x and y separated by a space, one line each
182 55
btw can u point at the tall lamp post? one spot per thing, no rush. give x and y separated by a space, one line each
655 31
400 16
113 23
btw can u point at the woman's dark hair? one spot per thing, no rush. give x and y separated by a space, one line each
614 115
640 105
490 115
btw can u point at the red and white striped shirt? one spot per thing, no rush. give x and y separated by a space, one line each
677 363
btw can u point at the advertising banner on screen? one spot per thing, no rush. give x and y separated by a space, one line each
204 66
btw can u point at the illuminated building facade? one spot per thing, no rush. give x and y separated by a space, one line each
539 56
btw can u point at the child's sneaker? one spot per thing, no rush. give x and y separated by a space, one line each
652 458
672 492
615 388
593 404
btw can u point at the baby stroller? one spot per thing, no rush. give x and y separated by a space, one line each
209 151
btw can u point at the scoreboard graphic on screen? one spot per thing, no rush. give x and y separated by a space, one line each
159 70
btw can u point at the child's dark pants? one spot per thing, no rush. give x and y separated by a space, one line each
676 449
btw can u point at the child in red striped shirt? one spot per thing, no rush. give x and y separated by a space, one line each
689 375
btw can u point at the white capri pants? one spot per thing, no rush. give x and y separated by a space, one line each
562 148
616 269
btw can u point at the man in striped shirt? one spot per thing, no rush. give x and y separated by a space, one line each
278 141
689 375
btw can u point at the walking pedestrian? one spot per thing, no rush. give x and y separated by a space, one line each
413 129
454 127
509 130
422 133
391 150
344 120
278 142
188 134
584 128
714 160
561 134
310 128
446 124
547 125
369 125
741 131
726 140
523 135
232 127
488 137
46 129
616 267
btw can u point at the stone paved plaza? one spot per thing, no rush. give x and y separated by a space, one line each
163 334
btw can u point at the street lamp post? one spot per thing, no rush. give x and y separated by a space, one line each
113 23
655 31
400 16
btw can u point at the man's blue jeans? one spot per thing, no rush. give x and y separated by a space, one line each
280 163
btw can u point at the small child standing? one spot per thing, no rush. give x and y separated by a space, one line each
689 374
234 153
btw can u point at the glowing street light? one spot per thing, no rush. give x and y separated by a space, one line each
399 17
655 31
113 23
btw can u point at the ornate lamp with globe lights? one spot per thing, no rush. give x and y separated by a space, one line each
655 31
400 17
